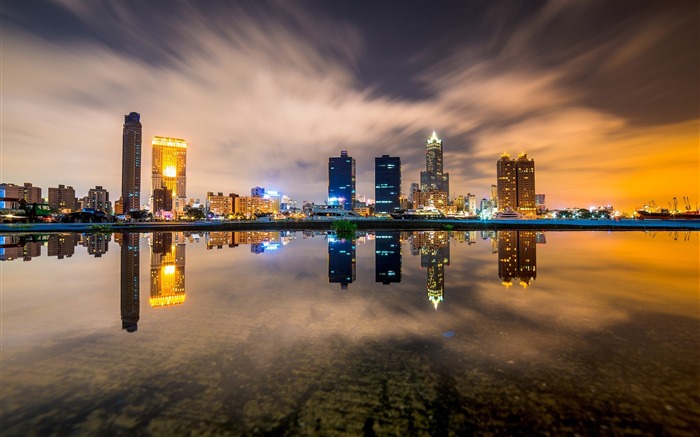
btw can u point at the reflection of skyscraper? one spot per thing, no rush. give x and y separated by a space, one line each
434 249
131 162
130 276
517 257
387 257
341 261
167 270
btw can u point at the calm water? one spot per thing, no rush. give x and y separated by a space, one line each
423 333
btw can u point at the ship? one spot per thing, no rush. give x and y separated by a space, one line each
653 212
665 214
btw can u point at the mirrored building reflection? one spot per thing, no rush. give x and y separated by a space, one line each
24 247
434 249
341 261
96 244
517 257
387 257
62 245
167 269
130 277
217 240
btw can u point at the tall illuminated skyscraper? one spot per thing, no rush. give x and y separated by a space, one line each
341 181
169 167
516 184
131 162
433 177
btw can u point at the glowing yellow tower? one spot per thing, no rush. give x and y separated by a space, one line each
169 167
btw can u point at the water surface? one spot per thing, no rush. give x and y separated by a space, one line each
424 333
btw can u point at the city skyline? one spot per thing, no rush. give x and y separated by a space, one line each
603 96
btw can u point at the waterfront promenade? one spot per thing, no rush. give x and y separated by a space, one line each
368 224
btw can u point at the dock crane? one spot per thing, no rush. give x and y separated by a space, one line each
686 201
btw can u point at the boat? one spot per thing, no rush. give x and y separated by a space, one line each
332 212
507 214
462 216
423 213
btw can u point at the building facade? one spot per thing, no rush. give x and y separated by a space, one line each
131 162
249 206
31 194
387 184
62 198
98 199
341 181
169 169
516 184
218 204
435 198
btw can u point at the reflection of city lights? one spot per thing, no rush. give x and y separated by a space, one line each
170 171
169 270
164 301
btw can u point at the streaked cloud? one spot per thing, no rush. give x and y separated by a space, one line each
258 89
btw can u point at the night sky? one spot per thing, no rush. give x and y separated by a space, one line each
604 96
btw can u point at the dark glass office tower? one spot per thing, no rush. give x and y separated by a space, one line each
131 162
387 257
341 261
387 183
130 277
341 181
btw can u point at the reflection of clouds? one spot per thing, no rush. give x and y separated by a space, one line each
262 335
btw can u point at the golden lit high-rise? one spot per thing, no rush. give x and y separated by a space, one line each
169 167
516 184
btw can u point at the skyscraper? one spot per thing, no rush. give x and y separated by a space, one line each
341 181
433 177
131 162
387 183
516 184
169 167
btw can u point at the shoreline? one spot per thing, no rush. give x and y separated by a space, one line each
369 224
